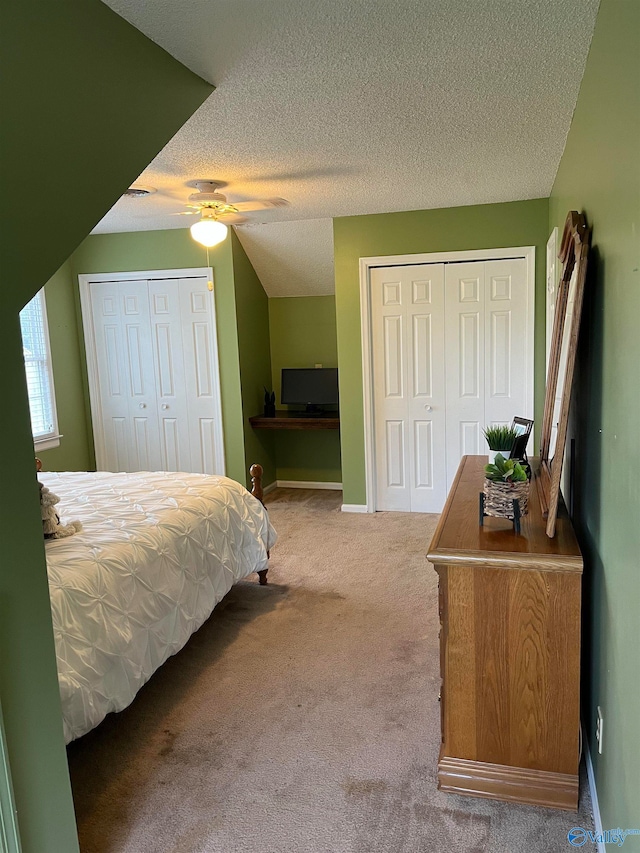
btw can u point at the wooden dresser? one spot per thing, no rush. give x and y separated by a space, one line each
509 651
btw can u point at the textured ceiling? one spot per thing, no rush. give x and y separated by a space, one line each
292 258
367 107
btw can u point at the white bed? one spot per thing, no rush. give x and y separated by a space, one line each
156 554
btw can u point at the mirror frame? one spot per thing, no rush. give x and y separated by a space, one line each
573 255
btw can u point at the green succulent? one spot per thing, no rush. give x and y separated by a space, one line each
505 471
500 437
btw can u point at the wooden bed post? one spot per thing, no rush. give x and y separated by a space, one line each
256 472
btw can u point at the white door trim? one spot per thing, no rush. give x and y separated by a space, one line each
9 831
146 275
85 280
366 265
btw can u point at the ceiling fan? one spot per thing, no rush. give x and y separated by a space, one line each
211 205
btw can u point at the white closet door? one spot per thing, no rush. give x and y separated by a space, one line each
202 379
390 389
134 300
426 371
464 357
486 352
408 375
505 362
129 423
168 352
114 423
153 373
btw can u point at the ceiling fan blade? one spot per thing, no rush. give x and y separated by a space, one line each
264 204
186 213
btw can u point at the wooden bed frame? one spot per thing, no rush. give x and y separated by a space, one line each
257 491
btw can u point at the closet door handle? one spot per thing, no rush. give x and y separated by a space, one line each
429 408
143 405
164 406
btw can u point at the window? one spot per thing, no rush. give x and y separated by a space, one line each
37 363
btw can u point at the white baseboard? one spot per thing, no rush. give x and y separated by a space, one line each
354 508
597 819
269 488
308 484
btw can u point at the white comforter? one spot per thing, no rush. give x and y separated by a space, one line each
156 554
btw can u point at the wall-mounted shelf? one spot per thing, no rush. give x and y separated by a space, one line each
297 420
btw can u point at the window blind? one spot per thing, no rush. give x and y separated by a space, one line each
37 362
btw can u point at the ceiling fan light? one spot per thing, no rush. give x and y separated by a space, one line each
209 232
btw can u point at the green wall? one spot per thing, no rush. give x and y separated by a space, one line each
600 175
80 79
75 452
488 226
303 334
85 86
252 307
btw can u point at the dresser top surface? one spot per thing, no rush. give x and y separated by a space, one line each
459 538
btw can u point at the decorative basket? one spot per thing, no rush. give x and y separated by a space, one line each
499 498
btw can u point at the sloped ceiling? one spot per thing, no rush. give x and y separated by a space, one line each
292 258
367 107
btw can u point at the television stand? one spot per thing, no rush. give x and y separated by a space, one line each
297 420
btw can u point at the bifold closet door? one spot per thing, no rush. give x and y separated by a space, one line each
407 310
158 387
126 377
171 380
197 416
486 364
449 344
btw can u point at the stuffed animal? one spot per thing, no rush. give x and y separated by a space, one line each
51 526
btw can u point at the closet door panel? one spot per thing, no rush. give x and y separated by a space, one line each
112 427
409 396
506 337
465 361
202 381
141 388
169 362
426 399
391 412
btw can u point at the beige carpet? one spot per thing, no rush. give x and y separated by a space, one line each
303 717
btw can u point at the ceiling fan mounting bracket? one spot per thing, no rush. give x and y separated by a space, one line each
206 185
207 199
212 204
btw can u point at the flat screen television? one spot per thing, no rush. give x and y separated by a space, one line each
311 387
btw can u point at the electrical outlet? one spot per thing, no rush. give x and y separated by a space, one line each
318 365
599 729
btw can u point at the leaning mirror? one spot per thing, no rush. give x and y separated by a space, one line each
574 250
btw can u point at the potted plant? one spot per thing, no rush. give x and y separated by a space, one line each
506 480
500 440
